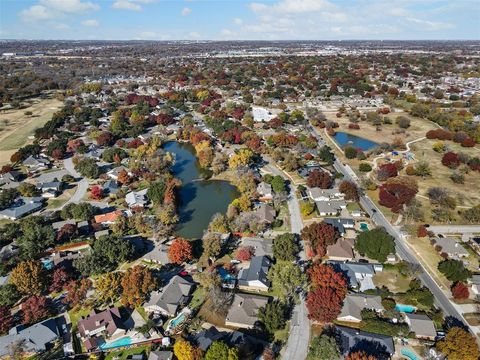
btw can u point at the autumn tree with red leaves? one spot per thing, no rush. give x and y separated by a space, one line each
77 292
60 279
96 192
395 195
360 355
244 253
323 305
35 309
349 189
460 291
180 251
318 178
318 236
323 275
422 231
386 171
66 232
105 138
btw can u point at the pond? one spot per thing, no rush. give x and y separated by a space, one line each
344 139
199 199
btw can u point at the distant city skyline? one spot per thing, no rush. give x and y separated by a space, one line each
240 20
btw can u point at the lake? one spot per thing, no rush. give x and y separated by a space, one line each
199 199
344 139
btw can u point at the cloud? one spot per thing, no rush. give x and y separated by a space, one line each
431 25
126 5
186 11
91 23
53 9
292 6
194 35
238 21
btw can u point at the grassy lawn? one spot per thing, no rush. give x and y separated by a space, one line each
284 215
76 315
198 297
282 335
353 206
16 127
62 199
392 279
123 354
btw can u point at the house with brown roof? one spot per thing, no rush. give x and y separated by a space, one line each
341 250
97 325
265 213
243 312
108 218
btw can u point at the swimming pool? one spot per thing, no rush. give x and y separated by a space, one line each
409 354
363 226
47 264
405 308
225 275
127 340
177 321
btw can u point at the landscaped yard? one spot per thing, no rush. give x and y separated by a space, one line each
124 354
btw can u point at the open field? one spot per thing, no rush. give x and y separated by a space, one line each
16 127
467 194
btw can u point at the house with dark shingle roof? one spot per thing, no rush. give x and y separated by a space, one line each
356 340
254 278
22 206
243 312
168 300
355 303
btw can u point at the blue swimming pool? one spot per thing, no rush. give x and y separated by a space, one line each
363 226
405 308
127 340
225 275
177 321
47 264
409 354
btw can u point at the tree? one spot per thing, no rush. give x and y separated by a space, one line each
319 178
307 207
109 287
278 184
96 192
285 247
29 277
212 245
286 277
123 177
77 292
403 122
360 355
60 278
9 295
218 350
7 197
180 251
349 189
156 192
273 316
319 236
364 167
454 270
472 215
324 347
459 344
219 223
244 253
28 190
460 291
423 169
6 319
325 276
35 309
183 350
88 168
451 160
396 195
326 155
422 231
323 304
137 283
66 232
242 158
376 244
386 171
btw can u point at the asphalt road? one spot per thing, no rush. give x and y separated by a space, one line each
403 251
82 185
454 229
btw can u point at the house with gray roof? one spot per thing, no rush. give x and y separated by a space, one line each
359 275
355 340
158 254
421 325
451 246
36 163
22 206
169 299
254 278
161 355
355 303
261 246
111 187
243 312
341 224
318 194
36 338
265 213
137 198
330 207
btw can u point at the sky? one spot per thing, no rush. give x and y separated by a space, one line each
240 19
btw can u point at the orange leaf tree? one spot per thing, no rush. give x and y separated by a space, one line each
180 251
137 283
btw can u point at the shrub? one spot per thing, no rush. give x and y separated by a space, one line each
350 152
364 167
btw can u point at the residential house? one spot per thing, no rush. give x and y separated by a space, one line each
36 163
474 281
330 207
65 258
341 250
261 246
160 355
265 191
35 339
243 312
171 297
341 224
136 198
158 255
108 218
353 339
360 275
111 187
10 180
113 173
451 247
317 194
265 213
98 324
355 303
57 225
22 206
206 337
421 325
254 278
51 189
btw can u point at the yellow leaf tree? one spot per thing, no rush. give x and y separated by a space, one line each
109 287
459 345
29 277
